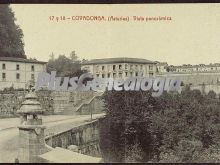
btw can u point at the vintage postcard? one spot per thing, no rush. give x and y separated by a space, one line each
125 83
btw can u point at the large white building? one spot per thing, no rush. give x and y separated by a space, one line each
120 67
19 72
201 68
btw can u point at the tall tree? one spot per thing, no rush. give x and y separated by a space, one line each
73 56
63 65
52 57
11 42
124 133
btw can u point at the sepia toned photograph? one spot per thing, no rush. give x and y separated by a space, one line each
110 83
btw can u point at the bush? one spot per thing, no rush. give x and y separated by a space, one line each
171 128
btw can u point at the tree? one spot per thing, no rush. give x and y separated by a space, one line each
124 133
63 65
74 57
11 36
52 56
186 125
179 127
212 94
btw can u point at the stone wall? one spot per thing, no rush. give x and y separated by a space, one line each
207 88
96 106
61 101
46 99
53 102
66 102
77 97
99 105
85 136
197 78
11 101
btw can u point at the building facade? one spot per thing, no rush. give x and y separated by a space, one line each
162 67
201 68
120 67
19 72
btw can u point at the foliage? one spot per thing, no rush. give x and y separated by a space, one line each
11 43
175 127
64 66
127 126
212 94
189 118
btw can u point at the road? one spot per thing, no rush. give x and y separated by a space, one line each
56 123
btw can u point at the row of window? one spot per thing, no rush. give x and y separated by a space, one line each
17 76
126 67
17 67
197 69
120 75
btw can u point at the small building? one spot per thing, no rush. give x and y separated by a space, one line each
19 72
120 67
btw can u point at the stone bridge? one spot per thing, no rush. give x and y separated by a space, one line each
82 138
85 137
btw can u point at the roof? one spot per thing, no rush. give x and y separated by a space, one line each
161 63
198 66
118 60
61 155
14 59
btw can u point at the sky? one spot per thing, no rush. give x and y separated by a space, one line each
191 37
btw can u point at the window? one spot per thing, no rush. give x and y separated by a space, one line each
120 75
126 74
126 66
97 75
131 66
103 67
103 75
114 75
18 76
151 74
32 67
136 73
3 66
17 67
114 67
108 75
120 66
141 73
3 76
97 68
32 76
150 67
